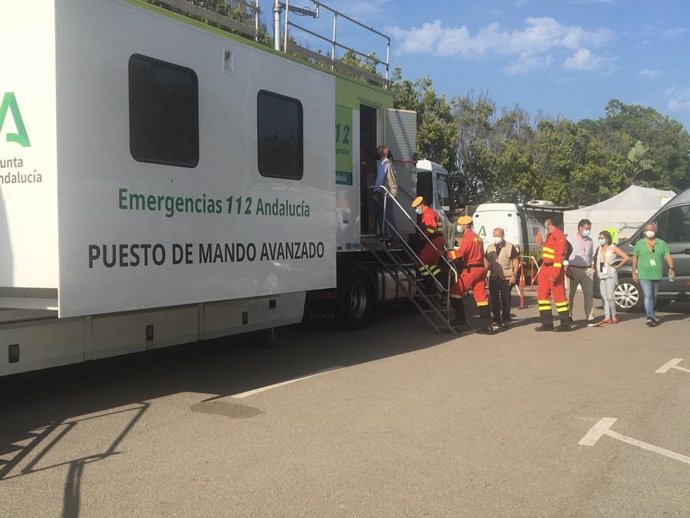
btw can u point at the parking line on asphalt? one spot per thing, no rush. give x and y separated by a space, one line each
248 393
673 364
603 427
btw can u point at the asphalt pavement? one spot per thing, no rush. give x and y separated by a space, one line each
389 421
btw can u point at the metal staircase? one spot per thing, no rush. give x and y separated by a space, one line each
395 255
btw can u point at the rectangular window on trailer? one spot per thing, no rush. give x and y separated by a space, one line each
163 112
280 138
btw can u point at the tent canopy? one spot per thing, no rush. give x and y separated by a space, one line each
625 212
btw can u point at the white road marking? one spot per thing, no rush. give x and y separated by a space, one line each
248 393
603 427
673 364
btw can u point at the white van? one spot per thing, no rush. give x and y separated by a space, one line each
523 224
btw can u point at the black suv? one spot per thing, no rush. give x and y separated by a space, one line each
673 224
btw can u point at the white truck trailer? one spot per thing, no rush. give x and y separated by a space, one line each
163 181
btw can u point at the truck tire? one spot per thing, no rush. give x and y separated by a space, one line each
628 295
355 301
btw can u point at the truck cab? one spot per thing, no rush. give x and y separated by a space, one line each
432 183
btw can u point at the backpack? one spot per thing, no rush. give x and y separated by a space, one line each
390 182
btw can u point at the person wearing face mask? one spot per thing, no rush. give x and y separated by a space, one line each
433 246
606 260
550 279
649 255
469 259
580 269
502 263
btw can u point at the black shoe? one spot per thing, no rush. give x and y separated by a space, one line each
486 330
544 328
563 329
505 325
593 323
651 323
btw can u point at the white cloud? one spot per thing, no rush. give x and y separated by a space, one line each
670 34
649 72
583 59
528 63
679 99
531 45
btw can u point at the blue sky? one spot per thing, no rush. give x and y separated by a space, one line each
563 58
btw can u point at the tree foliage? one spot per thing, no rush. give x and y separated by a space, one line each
506 157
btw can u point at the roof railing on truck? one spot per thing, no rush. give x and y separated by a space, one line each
287 42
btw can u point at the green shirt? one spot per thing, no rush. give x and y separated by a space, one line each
650 264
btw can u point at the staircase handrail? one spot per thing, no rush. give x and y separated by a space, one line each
442 254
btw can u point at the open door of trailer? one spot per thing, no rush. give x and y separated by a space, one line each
401 138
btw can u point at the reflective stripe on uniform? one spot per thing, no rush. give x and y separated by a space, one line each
548 249
544 305
562 307
557 265
479 304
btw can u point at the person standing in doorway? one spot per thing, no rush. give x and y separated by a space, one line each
580 269
649 255
606 261
384 199
502 263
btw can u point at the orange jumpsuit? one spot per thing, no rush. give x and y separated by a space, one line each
550 280
472 273
430 254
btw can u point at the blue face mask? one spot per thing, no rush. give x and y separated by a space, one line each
585 233
602 242
418 210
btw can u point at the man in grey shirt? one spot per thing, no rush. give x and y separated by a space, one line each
580 268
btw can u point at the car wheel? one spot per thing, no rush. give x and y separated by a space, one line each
628 296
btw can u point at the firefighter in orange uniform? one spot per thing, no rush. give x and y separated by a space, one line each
430 253
550 279
469 258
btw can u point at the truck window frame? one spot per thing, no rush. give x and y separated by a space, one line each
267 164
166 140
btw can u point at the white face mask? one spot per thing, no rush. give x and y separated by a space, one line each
418 210
649 234
459 229
498 240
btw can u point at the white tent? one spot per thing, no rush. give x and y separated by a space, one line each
625 212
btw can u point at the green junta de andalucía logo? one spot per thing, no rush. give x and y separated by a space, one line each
9 104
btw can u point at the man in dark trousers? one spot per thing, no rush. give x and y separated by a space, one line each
503 263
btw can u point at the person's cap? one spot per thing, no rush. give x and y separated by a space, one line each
417 201
465 220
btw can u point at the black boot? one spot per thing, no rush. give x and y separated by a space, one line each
565 322
485 319
546 320
459 309
430 286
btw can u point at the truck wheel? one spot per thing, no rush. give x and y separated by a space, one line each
628 296
355 302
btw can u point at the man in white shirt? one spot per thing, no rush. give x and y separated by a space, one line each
580 269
